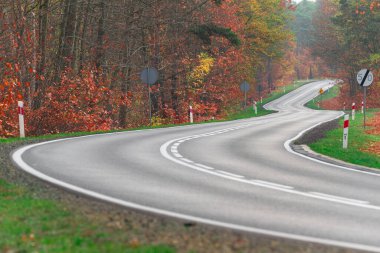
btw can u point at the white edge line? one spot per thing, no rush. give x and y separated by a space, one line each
17 158
289 149
333 197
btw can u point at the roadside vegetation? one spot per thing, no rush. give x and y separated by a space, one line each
317 103
364 143
235 114
360 141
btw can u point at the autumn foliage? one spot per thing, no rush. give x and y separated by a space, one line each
76 64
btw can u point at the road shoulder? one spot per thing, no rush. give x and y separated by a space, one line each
300 146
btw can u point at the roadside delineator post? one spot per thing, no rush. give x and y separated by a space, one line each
261 100
191 115
353 110
362 106
255 106
344 106
21 119
345 130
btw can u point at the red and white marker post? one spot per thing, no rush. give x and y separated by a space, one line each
353 111
344 106
191 115
345 130
21 113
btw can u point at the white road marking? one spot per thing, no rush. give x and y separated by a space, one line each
177 155
17 157
259 183
274 184
186 160
204 166
230 174
289 149
339 199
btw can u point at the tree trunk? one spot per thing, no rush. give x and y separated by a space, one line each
43 8
100 38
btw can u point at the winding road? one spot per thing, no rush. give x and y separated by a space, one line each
240 174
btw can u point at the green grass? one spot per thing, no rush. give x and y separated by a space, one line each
235 115
249 113
331 93
357 140
28 224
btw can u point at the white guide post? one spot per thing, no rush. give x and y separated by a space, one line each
345 130
191 115
21 118
353 111
362 106
255 107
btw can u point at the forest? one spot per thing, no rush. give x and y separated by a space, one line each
76 64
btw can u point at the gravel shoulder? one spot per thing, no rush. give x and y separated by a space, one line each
146 228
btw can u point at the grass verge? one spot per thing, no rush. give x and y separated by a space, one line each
317 102
358 140
29 224
281 91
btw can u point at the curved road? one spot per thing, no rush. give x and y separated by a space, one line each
238 174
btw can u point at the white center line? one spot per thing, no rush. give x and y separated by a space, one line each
273 184
186 160
204 166
230 174
338 198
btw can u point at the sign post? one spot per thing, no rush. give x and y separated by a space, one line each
345 130
362 106
365 78
149 76
21 113
321 91
244 87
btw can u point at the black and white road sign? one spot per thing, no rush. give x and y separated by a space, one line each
365 77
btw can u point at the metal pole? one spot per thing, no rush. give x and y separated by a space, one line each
365 105
245 100
150 101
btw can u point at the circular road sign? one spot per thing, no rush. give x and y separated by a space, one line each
149 76
244 87
365 77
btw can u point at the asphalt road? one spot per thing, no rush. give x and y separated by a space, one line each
238 174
